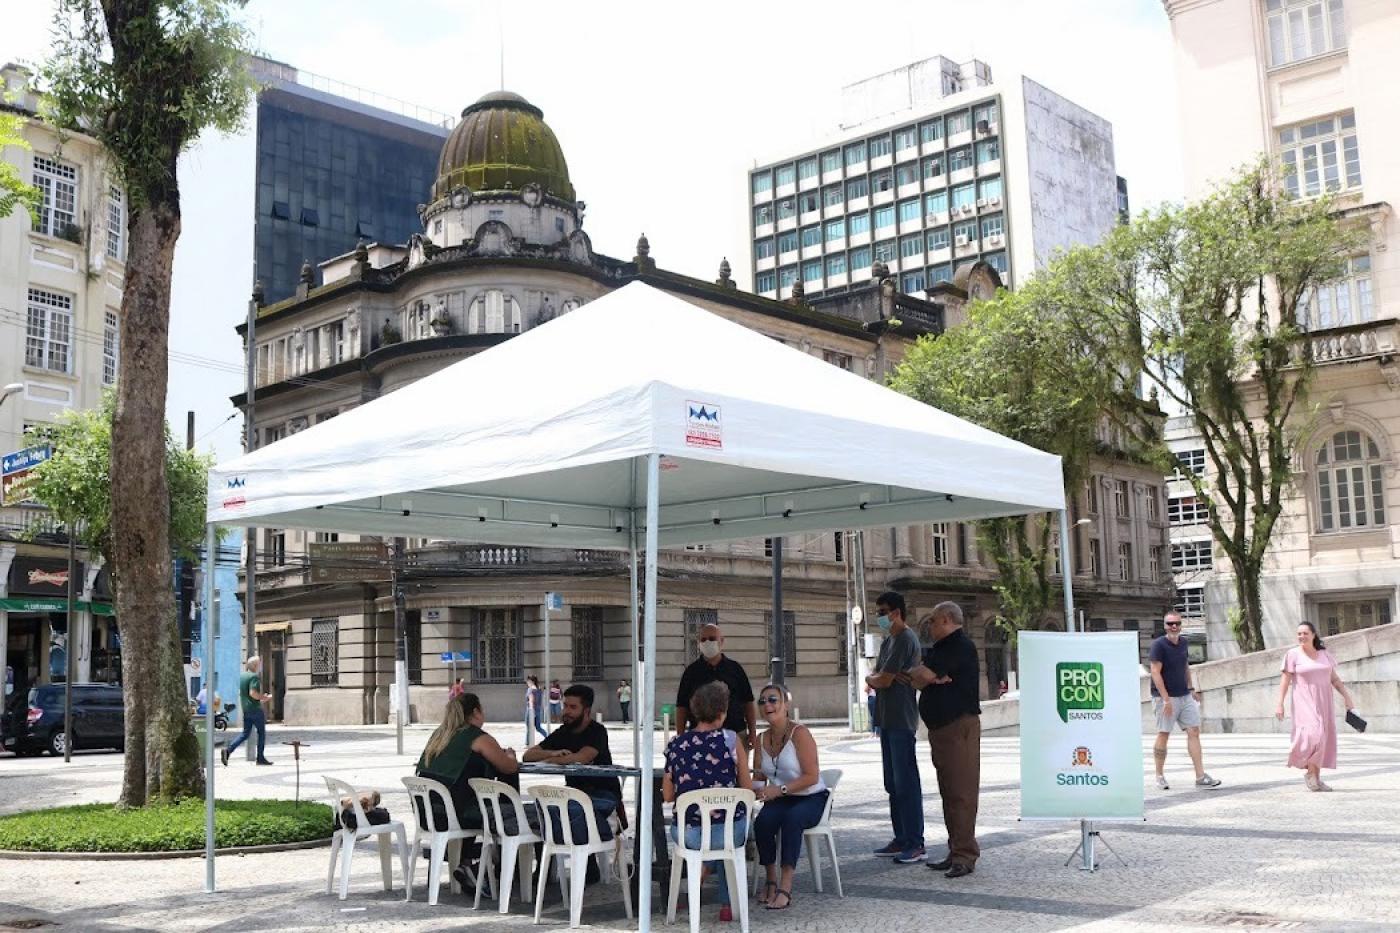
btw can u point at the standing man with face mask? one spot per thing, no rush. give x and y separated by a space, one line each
897 715
713 665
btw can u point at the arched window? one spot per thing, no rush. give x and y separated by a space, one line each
494 312
1350 483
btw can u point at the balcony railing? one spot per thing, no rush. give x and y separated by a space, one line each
1352 342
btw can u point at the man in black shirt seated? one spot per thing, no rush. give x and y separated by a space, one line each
580 740
948 705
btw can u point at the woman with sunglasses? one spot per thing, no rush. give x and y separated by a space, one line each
793 794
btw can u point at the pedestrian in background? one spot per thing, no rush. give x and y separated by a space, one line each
897 715
250 701
1309 669
556 702
624 700
534 702
870 708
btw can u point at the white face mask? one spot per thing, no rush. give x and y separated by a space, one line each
710 649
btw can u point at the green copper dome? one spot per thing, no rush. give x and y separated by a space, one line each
502 144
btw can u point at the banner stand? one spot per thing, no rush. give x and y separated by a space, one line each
1088 836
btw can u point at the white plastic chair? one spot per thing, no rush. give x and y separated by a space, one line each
445 841
517 848
822 831
554 809
343 842
726 801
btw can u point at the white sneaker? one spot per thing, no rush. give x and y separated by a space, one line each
1162 782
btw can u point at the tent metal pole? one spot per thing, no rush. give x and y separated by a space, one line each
648 710
632 603
1067 568
211 543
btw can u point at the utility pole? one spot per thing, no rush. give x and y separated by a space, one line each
400 641
777 664
250 443
70 644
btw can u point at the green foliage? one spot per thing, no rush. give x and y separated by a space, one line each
75 482
146 77
101 827
14 192
1018 367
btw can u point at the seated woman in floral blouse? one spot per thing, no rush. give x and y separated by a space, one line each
707 756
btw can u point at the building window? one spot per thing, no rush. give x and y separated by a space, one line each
838 541
938 238
789 637
879 146
912 282
988 151
999 262
931 131
960 159
762 181
587 624
496 658
964 196
785 175
933 169
1350 483
763 249
1095 558
766 281
696 619
811 236
494 312
855 154
787 209
1300 29
911 245
857 188
808 202
1091 495
959 122
984 115
1154 507
812 270
786 276
1156 563
964 232
904 139
1191 602
1098 625
832 196
58 183
806 169
110 337
1125 561
1186 510
1192 461
763 215
860 258
787 241
831 161
325 537
836 265
989 188
1191 555
49 331
325 652
881 181
1120 498
842 649
1339 617
116 222
835 230
938 540
909 211
1344 301
272 434
858 223
1320 156
993 226
884 250
274 547
907 174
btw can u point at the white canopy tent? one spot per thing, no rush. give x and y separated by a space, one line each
636 422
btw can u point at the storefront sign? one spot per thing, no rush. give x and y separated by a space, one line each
349 562
42 576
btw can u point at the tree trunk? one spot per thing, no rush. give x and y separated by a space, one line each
162 756
1250 634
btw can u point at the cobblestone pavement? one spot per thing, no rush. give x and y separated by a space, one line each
1260 852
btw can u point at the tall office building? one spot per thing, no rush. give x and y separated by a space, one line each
936 164
1309 83
335 164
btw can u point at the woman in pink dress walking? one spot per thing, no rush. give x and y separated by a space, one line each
1312 673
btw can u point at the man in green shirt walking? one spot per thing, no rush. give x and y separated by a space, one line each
250 699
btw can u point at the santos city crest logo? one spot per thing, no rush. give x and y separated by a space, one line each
1082 772
1079 690
702 426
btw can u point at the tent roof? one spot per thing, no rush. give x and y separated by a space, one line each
535 442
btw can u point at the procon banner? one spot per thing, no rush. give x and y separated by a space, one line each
1081 726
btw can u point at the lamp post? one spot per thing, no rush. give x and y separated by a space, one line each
11 389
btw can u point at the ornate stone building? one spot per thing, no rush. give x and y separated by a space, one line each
503 250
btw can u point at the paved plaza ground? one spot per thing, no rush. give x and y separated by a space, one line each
1260 852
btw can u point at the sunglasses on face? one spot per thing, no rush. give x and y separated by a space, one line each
1173 625
770 701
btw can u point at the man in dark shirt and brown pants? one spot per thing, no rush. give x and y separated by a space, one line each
948 704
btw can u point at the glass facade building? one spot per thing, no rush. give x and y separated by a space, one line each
331 171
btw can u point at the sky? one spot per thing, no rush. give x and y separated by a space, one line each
660 109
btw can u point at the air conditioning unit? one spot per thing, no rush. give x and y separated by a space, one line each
960 240
983 127
981 202
994 202
994 239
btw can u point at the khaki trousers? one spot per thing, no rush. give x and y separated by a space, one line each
956 749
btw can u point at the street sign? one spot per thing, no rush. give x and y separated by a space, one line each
349 562
446 657
554 601
16 474
455 657
463 656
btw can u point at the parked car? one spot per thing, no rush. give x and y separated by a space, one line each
98 720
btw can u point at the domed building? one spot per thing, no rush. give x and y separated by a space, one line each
503 250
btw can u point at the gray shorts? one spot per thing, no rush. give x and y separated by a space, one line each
1186 712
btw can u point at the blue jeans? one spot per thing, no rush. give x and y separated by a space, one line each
870 708
256 719
787 817
692 841
533 716
603 807
902 784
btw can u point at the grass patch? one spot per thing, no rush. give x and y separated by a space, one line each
101 827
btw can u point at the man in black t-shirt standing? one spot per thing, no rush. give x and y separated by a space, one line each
948 704
714 665
581 740
1174 701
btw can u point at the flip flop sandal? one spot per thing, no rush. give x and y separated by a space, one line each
770 888
786 894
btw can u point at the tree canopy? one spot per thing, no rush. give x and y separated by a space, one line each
14 192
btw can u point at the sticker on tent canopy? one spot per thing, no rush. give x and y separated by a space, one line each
702 426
